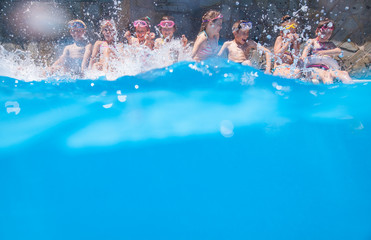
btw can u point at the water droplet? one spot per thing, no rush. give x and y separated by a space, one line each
226 128
12 107
108 105
122 98
136 86
237 3
346 8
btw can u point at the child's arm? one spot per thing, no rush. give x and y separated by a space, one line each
87 54
268 54
149 40
61 60
184 40
158 43
94 55
196 47
280 48
106 58
128 37
224 48
333 51
307 47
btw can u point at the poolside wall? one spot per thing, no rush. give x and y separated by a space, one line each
352 21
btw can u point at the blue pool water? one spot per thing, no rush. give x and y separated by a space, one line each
188 152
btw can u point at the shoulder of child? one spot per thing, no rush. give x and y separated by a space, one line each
252 43
201 37
227 43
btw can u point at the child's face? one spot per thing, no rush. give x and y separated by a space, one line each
325 34
289 29
108 33
141 32
215 26
77 33
167 32
241 36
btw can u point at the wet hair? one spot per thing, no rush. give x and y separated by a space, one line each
325 22
211 14
287 20
76 24
106 23
236 26
169 18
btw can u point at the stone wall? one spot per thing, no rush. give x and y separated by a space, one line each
352 32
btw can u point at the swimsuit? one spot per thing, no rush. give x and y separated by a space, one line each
208 51
322 62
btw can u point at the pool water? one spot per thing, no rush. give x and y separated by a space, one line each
211 150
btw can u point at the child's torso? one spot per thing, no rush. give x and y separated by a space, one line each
238 53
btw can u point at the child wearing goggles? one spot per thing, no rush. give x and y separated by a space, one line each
240 48
144 36
207 41
167 29
287 50
75 57
318 56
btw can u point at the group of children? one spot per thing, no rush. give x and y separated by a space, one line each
315 63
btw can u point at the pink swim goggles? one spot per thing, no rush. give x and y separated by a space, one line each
166 24
211 20
327 27
140 23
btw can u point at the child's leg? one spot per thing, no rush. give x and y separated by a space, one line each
319 74
342 75
293 73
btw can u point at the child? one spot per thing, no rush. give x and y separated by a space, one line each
144 36
75 57
206 44
239 48
287 49
318 52
167 28
104 50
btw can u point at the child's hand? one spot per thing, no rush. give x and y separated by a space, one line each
150 36
184 40
127 35
291 37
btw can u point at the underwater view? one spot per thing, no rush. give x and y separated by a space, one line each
163 143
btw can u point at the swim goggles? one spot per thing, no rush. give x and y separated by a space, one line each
140 23
243 25
76 25
166 24
211 20
327 27
294 26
